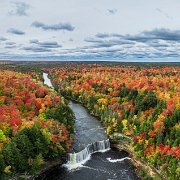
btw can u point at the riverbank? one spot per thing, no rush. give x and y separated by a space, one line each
46 168
143 169
96 161
111 163
122 142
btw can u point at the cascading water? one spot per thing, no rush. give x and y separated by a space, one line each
77 159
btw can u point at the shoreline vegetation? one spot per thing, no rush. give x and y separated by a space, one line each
137 105
141 102
121 142
36 125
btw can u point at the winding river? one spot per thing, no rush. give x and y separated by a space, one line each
91 157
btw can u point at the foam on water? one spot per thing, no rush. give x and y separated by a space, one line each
117 160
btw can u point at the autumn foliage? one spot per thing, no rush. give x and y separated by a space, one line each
142 102
29 135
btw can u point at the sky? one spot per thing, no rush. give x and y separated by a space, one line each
120 30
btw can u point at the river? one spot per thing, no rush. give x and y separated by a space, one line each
91 157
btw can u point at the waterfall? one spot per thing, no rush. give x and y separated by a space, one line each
75 160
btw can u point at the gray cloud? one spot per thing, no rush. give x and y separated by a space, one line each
20 9
102 42
10 46
3 39
112 11
164 34
46 44
93 40
36 49
155 34
50 44
161 34
102 35
53 27
10 43
34 41
156 43
15 31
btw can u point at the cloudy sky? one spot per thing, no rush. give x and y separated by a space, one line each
90 29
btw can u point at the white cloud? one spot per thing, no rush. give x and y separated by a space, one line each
69 23
19 8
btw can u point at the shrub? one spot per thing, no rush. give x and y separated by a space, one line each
63 114
24 145
36 140
146 101
14 157
25 152
2 164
